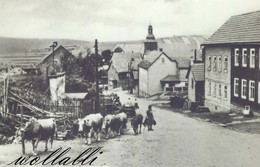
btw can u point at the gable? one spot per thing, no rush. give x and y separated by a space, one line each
162 60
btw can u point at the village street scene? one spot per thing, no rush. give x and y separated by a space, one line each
120 89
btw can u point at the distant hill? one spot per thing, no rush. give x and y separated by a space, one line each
14 45
21 52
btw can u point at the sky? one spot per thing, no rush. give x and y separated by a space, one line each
116 20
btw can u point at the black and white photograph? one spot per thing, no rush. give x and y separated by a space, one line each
129 83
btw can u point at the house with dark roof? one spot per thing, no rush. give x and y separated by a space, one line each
119 72
58 60
196 80
159 72
232 67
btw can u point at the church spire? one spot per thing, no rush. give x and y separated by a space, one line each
150 43
150 35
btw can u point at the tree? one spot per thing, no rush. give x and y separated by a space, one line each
107 55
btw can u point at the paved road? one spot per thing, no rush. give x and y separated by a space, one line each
176 141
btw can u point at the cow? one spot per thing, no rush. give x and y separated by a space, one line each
111 124
37 130
123 121
137 121
114 123
89 124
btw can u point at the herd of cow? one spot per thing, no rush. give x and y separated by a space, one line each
91 125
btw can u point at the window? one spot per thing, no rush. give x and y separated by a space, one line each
219 91
236 57
225 64
214 89
243 88
236 87
244 57
252 58
209 88
209 63
225 92
252 90
219 63
192 83
163 60
215 63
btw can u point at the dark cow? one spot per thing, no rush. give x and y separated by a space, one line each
91 123
111 124
137 121
37 130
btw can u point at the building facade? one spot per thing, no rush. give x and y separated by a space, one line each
245 76
232 71
217 78
120 69
196 78
152 70
59 60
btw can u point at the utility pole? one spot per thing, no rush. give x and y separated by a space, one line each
195 55
5 99
97 78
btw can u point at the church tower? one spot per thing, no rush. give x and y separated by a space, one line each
150 43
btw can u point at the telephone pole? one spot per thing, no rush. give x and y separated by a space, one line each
97 78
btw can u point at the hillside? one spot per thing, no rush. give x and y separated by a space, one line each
19 52
14 45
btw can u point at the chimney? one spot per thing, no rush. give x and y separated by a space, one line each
195 55
161 49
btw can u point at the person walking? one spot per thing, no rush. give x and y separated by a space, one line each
149 118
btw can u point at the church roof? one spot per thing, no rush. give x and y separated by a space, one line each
150 35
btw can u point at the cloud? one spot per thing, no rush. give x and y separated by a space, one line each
116 20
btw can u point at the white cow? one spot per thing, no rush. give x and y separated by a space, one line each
36 130
91 123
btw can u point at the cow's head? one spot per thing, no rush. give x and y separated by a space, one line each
83 128
81 124
88 121
106 123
